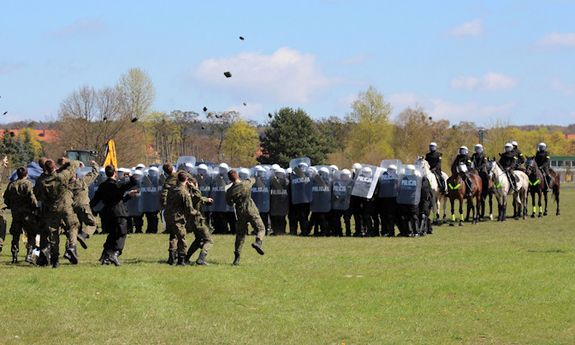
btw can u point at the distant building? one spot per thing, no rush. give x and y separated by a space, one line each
565 166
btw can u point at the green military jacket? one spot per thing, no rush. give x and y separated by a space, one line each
239 195
79 187
198 200
19 196
179 205
52 189
170 183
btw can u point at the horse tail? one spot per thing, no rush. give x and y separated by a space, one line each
556 191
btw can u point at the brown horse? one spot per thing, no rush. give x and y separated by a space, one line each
458 191
539 185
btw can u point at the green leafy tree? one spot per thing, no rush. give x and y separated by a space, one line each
371 136
292 133
240 144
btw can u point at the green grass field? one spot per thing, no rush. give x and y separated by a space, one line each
492 283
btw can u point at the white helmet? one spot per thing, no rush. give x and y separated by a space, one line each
432 146
345 172
324 170
463 150
275 167
288 170
139 173
140 166
508 147
189 166
541 147
355 167
259 170
280 171
514 143
333 167
154 169
478 148
367 171
409 169
101 170
392 167
223 168
302 165
312 170
203 167
244 173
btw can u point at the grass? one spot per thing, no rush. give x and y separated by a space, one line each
493 283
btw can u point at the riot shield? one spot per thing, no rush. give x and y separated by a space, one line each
296 161
321 193
300 185
389 178
133 204
204 179
409 191
150 191
341 191
366 181
261 190
182 160
279 196
218 193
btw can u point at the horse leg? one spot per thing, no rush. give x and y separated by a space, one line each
490 206
461 211
556 194
452 203
532 192
545 196
504 209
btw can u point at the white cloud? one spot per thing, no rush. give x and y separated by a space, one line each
287 75
557 39
468 29
566 89
452 111
489 81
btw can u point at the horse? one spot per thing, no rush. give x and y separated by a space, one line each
502 188
438 194
520 195
538 186
457 190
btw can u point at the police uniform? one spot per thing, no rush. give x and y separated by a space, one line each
543 161
463 159
433 158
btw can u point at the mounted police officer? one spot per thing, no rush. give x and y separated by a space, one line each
543 162
461 166
508 162
479 161
520 157
433 157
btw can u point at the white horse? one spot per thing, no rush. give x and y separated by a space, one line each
502 188
520 196
438 195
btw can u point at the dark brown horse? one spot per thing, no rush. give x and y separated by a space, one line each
458 191
539 186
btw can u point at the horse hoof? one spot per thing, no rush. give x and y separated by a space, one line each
557 214
533 215
451 224
460 224
490 217
540 215
545 213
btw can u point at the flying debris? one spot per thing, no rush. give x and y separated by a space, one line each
203 127
245 104
242 38
430 118
228 74
105 119
270 115
134 120
205 109
5 113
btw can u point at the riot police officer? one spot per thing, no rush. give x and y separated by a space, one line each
508 161
433 157
542 160
463 159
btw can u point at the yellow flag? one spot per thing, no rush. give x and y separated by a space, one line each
111 158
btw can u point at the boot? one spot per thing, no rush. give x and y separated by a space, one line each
71 255
28 257
104 258
172 257
257 245
236 259
202 259
114 259
14 256
54 261
181 260
193 248
82 237
44 257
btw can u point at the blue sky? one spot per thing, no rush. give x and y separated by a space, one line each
481 61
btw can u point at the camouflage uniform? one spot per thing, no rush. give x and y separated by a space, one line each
54 194
239 196
81 200
19 198
198 225
179 207
2 228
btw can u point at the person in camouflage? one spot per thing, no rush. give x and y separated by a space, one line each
81 203
239 197
179 209
54 194
19 198
3 165
198 225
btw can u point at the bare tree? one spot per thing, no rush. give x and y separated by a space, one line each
137 92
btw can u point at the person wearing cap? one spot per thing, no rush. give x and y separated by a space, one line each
81 203
542 160
520 157
433 158
178 212
196 223
113 195
508 162
462 158
19 198
239 197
